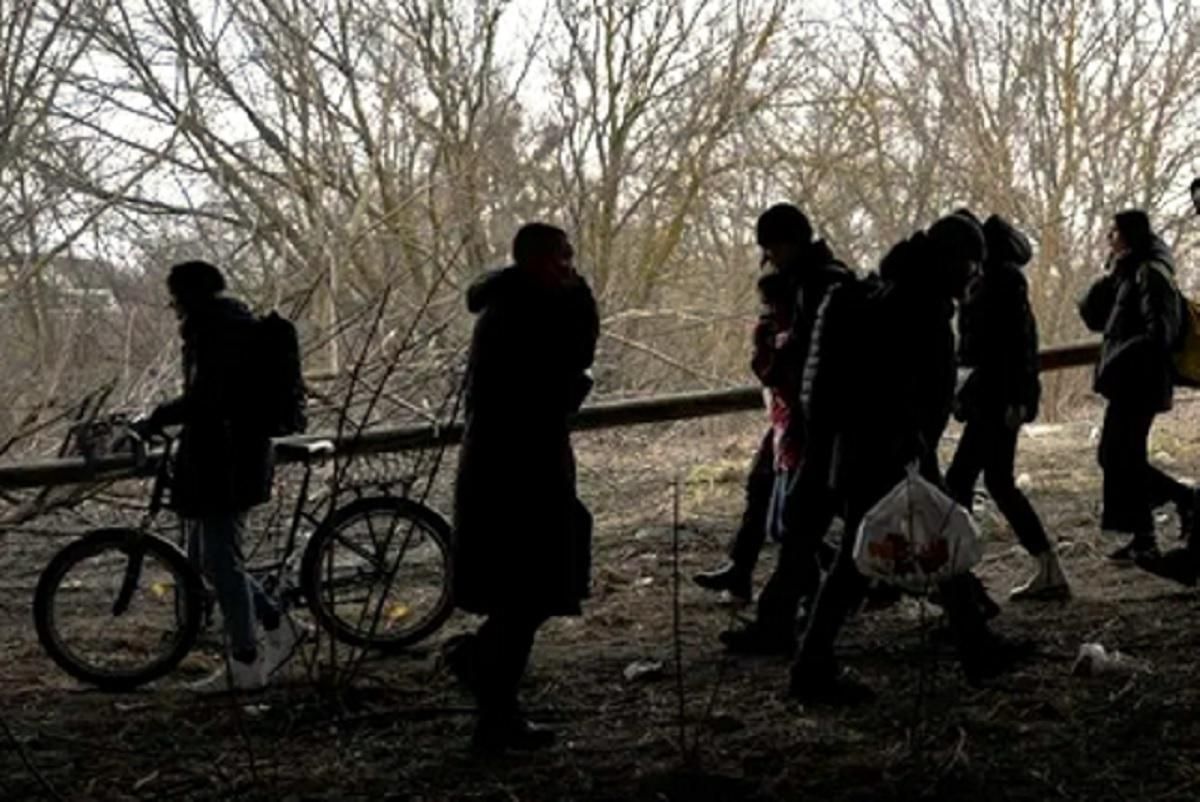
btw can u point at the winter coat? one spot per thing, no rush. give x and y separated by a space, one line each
998 336
1139 311
881 371
223 463
779 360
522 538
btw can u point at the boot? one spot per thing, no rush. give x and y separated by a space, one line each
499 733
1049 583
727 577
760 639
1179 565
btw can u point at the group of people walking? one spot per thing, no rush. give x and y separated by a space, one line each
861 375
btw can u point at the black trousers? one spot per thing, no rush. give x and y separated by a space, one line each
748 541
845 588
503 645
1132 486
989 446
807 514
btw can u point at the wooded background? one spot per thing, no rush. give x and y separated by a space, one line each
348 160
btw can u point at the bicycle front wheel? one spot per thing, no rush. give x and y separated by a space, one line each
118 608
377 573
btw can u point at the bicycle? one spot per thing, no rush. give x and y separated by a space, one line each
123 606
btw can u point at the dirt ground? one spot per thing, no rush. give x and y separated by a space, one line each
400 730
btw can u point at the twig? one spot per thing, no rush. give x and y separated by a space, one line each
19 748
676 624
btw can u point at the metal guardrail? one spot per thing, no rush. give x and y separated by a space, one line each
603 415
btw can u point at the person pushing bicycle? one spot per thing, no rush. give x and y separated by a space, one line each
223 467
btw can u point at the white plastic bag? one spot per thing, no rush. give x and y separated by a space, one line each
916 536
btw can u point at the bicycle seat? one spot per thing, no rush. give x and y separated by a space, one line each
302 452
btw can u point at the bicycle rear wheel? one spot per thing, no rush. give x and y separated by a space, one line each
118 608
377 573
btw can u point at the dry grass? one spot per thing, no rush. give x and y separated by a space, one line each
400 733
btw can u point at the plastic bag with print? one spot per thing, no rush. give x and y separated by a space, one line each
916 536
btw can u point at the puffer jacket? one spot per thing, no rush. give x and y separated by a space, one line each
881 370
998 337
1138 308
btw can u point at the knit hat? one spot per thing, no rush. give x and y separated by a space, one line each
783 222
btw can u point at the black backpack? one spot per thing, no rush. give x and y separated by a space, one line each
278 377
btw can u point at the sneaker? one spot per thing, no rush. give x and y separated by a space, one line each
493 735
280 644
727 577
234 677
1048 584
756 639
1178 565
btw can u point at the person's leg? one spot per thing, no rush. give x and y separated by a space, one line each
808 514
501 654
999 460
814 674
221 552
982 653
966 465
746 544
1123 457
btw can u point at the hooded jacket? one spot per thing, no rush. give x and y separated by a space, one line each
522 537
783 338
223 463
880 374
998 337
1138 309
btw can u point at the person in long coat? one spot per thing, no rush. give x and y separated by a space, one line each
522 537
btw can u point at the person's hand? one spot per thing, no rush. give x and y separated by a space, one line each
146 426
1014 416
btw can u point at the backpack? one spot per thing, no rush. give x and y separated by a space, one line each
277 378
1185 355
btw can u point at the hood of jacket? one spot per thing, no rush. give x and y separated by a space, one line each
1006 245
220 310
1155 251
493 285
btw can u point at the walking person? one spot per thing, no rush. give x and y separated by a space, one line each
223 468
1137 307
880 379
801 509
998 343
522 538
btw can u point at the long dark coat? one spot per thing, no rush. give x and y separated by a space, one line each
998 335
223 463
522 538
1138 309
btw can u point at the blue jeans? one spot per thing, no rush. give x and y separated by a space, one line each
217 541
